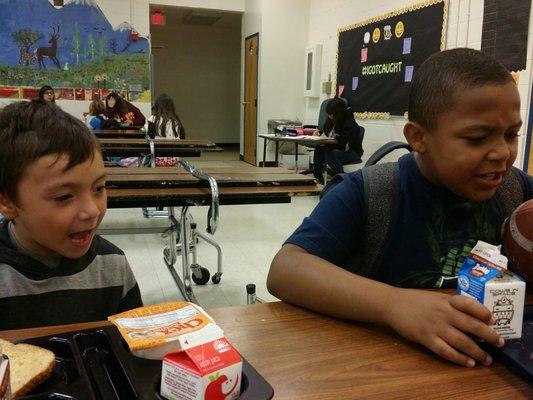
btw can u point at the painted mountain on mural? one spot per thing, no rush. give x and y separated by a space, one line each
69 46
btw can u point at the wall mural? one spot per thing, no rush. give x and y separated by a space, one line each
72 48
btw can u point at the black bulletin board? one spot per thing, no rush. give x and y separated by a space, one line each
505 30
377 58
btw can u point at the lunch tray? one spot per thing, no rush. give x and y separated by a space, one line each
96 364
517 354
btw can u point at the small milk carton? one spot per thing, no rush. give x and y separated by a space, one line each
209 371
484 276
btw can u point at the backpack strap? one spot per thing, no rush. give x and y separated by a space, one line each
511 192
381 196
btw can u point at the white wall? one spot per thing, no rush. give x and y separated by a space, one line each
282 27
464 28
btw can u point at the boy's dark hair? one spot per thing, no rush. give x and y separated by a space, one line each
33 129
96 107
443 74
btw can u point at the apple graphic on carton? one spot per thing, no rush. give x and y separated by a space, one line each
214 391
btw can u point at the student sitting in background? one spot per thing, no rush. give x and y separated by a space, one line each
123 111
53 268
46 93
349 148
165 124
464 119
96 116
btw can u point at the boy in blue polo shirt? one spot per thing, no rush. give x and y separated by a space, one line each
464 119
53 268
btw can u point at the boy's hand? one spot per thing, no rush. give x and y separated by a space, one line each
444 324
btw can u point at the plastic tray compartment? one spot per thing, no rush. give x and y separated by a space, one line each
96 364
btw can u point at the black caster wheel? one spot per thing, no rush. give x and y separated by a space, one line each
216 278
200 275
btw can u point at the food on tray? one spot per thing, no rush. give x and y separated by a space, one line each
29 366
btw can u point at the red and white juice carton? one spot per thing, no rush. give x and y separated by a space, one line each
484 276
209 371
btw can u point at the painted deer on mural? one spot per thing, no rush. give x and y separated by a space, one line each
51 51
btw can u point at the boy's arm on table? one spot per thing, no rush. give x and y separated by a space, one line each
436 320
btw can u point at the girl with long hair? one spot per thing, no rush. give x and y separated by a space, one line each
167 124
123 111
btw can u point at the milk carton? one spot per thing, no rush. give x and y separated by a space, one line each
484 276
209 371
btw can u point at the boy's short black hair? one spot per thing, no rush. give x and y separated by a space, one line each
443 74
33 129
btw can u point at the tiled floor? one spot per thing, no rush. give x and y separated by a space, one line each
250 236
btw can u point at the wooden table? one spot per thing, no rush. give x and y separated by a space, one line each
164 187
307 356
158 147
309 141
119 133
173 187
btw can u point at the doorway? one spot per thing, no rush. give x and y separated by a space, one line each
251 54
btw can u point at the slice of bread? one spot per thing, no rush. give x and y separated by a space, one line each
30 365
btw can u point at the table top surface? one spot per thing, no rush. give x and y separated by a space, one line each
174 186
302 139
304 355
157 142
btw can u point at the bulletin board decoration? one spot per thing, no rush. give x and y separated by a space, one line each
377 57
505 31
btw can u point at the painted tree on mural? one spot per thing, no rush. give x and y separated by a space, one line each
26 38
76 43
91 46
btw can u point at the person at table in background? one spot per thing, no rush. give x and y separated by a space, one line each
123 111
46 93
96 115
347 132
164 123
464 119
54 269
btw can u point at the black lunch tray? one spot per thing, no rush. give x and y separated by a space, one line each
96 364
517 354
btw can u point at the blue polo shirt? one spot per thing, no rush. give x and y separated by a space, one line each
433 231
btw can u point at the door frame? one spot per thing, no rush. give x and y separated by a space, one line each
244 99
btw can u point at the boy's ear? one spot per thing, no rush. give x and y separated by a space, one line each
7 207
415 134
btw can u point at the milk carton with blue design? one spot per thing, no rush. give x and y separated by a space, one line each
484 276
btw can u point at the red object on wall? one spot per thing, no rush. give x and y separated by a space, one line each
134 35
158 18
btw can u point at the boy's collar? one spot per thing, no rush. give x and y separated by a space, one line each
51 261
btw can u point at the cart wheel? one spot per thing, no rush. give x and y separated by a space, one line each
200 275
216 278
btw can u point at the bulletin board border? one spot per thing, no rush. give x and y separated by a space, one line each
394 13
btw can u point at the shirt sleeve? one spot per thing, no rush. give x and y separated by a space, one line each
333 229
95 123
131 295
